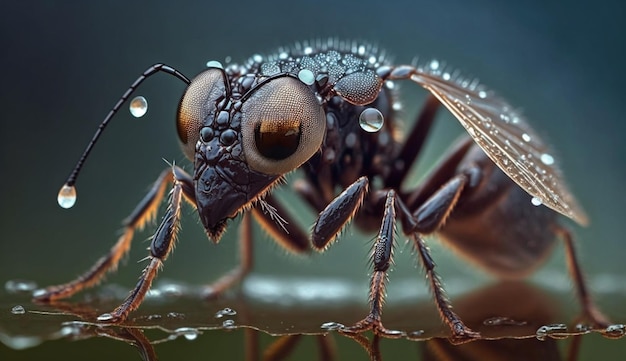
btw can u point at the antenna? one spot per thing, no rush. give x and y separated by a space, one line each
67 194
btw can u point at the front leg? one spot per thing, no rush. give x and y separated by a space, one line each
144 212
381 258
162 244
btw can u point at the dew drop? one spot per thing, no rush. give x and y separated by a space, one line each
189 333
17 286
371 120
105 317
225 312
67 196
547 159
615 331
550 330
482 94
536 201
526 137
18 310
332 326
434 64
214 64
228 324
306 76
138 106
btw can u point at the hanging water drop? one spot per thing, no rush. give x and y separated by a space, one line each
18 310
67 196
536 201
138 106
371 120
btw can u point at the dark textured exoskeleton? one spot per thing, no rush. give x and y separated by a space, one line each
319 107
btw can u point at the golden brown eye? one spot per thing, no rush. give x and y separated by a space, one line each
196 104
277 139
282 126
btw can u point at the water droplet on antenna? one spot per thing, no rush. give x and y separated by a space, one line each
138 106
371 120
536 201
67 196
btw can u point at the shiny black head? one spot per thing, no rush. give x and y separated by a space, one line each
242 143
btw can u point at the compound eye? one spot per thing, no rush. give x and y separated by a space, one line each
282 126
197 103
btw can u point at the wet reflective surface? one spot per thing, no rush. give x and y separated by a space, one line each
518 321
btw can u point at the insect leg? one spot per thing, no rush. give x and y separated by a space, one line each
382 255
339 212
162 244
144 212
283 229
590 311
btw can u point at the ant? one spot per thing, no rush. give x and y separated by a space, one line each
329 109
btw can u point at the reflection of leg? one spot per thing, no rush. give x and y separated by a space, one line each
246 260
590 311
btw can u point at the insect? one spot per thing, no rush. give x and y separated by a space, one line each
328 109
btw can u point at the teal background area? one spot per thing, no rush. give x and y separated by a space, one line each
64 64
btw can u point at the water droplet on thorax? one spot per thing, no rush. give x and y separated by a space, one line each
138 106
536 201
18 310
67 196
371 120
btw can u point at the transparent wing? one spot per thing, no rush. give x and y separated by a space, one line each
505 137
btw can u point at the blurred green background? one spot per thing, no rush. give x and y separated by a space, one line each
65 64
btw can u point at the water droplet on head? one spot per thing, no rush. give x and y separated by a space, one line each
214 64
18 310
67 196
306 76
536 201
547 159
371 120
138 106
